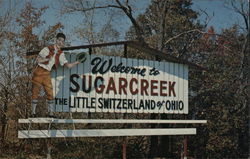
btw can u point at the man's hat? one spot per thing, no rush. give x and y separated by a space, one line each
81 57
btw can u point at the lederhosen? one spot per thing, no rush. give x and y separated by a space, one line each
41 76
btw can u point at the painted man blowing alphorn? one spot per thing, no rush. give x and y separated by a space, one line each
48 58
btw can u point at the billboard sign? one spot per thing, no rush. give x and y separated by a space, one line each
121 85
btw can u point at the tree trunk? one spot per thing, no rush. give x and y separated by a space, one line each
4 124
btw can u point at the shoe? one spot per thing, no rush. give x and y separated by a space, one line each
51 116
33 116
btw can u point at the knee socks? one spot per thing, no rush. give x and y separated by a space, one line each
34 104
51 107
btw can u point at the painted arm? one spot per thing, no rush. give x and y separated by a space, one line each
70 65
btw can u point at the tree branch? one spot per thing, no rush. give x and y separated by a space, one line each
125 8
186 32
240 10
208 18
91 8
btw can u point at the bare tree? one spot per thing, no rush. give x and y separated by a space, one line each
14 67
88 31
7 62
87 5
241 7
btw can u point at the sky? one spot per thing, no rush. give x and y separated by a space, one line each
222 17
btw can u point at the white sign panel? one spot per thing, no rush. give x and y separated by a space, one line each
121 85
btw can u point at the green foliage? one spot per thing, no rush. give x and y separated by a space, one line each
219 97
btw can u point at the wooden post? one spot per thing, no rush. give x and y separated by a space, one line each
49 148
185 147
90 50
124 144
124 148
125 50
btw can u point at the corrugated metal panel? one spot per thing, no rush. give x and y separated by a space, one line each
121 85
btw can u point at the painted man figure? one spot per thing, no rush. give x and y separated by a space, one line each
48 58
